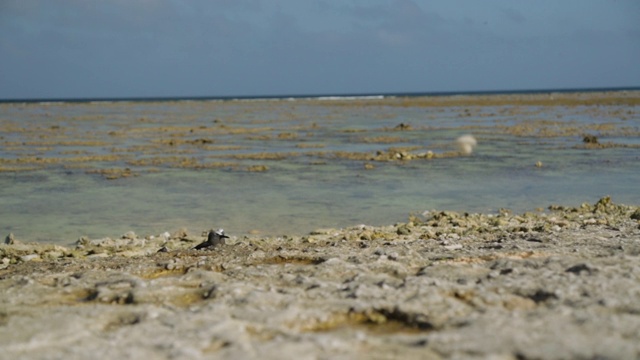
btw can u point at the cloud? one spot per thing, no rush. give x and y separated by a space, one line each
222 47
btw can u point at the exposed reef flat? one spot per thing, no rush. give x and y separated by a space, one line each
109 140
558 284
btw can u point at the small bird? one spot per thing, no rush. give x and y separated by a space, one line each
214 239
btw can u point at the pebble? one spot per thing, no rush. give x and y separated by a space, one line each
30 257
52 255
98 255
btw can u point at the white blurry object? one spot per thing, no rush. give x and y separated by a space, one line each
466 143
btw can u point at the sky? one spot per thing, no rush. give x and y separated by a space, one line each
182 48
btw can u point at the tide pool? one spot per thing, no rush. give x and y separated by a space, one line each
290 166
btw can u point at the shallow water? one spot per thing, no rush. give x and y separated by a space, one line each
52 190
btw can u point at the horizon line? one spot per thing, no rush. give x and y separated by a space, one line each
314 95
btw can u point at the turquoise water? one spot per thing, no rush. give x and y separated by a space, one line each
310 187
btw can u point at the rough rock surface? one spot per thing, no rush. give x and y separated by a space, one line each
556 285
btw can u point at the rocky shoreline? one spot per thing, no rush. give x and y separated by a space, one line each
559 284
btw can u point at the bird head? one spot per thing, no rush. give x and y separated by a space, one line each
220 233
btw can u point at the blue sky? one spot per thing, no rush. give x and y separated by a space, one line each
156 48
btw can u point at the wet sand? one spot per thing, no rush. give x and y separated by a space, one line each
558 284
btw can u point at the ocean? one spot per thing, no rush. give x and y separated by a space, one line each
288 165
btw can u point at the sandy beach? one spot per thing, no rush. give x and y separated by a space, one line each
557 284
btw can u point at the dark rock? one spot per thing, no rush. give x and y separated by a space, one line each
580 268
10 240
